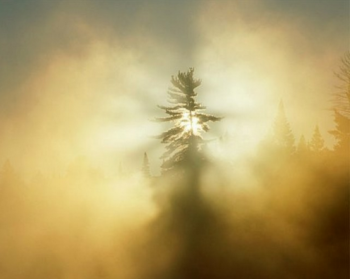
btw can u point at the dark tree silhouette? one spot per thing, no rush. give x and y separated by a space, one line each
342 97
184 140
317 143
342 108
302 146
145 166
282 133
341 133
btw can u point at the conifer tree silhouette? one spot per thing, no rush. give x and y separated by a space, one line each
342 108
317 143
184 140
282 133
342 97
145 166
341 132
302 146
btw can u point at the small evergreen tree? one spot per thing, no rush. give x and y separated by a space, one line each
341 133
183 141
302 146
282 133
145 166
317 143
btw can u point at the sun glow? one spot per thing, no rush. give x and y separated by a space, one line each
190 125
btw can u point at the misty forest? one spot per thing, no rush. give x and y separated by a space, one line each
232 161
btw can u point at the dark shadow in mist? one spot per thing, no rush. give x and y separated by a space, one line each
194 237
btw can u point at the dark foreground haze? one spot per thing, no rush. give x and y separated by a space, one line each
284 218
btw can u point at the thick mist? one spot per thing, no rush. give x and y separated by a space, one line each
80 82
286 217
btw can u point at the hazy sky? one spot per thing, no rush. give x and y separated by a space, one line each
82 78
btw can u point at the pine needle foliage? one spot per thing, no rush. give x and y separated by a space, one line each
183 141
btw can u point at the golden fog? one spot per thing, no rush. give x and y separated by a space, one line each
75 122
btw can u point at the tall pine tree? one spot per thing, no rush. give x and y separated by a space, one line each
183 141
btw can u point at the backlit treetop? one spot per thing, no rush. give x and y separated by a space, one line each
183 141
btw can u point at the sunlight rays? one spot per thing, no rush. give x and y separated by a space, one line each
189 125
